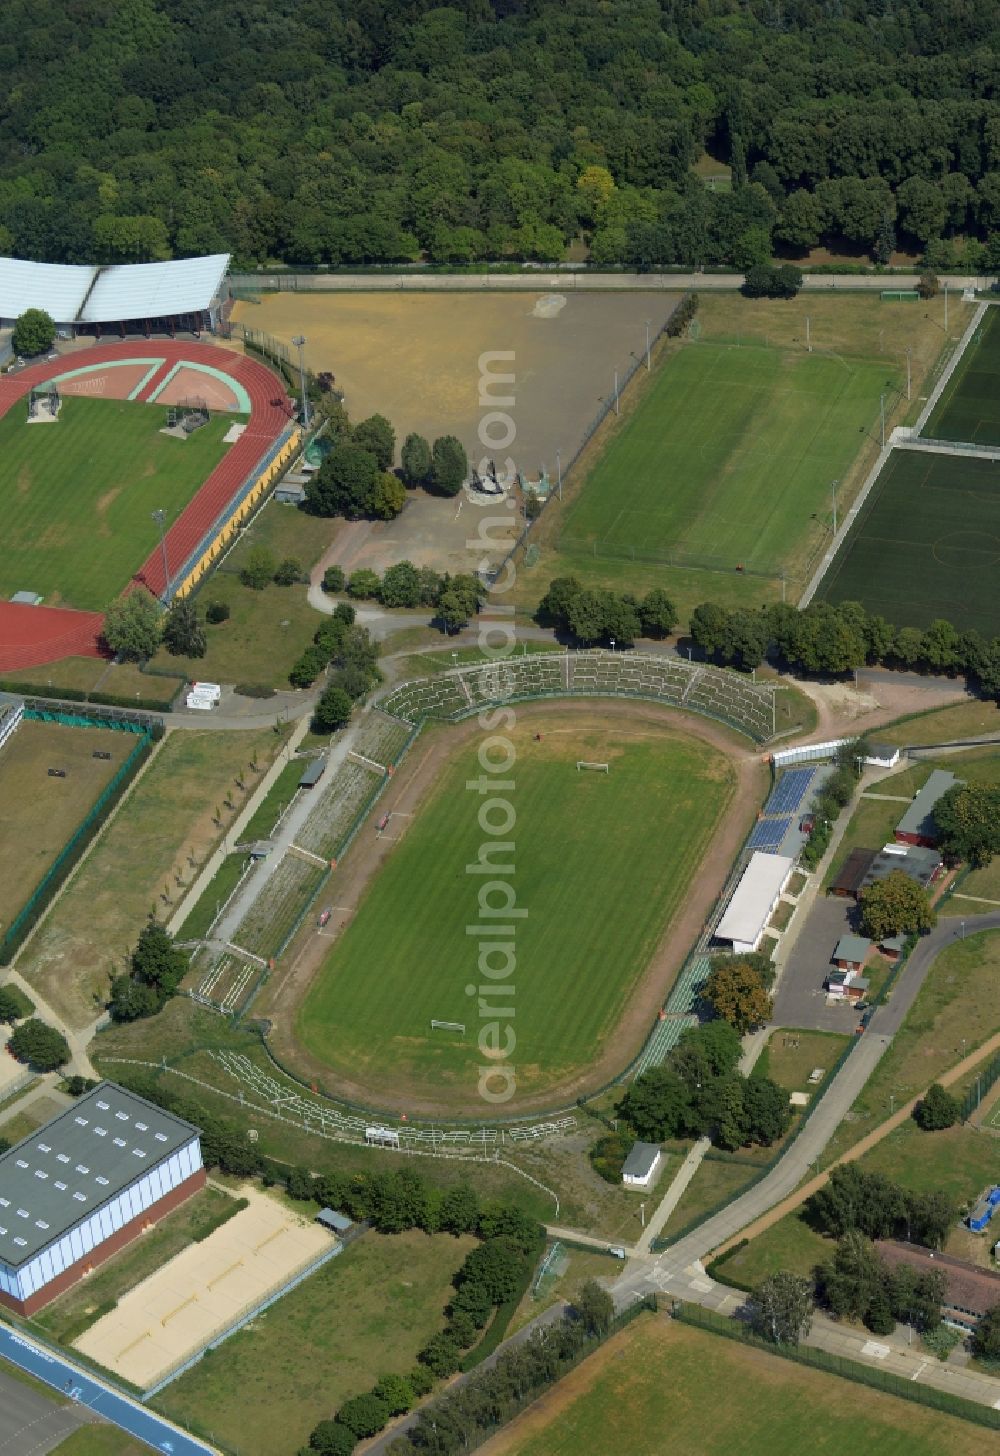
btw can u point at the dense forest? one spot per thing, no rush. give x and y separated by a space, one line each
328 131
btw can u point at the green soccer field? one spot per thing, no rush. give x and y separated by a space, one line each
76 497
601 863
926 545
729 457
969 407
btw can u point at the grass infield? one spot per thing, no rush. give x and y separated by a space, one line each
927 544
76 497
969 408
601 862
729 456
718 1398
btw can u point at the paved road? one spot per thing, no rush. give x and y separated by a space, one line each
32 1423
800 1000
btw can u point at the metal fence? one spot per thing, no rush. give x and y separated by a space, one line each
610 404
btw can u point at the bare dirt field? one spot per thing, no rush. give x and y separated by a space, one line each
38 813
177 1310
416 358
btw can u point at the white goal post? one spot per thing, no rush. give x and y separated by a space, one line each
447 1026
582 763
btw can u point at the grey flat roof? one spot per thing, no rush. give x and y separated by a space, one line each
60 1174
919 817
26 599
641 1160
71 293
852 948
915 860
330 1218
313 772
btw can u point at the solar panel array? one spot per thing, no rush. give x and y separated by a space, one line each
768 833
789 791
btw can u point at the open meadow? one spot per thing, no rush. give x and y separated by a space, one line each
162 829
926 544
364 1314
76 496
601 865
39 813
655 1384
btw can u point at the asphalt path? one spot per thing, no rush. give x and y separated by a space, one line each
31 1423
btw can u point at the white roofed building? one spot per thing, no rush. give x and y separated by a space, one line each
753 901
186 294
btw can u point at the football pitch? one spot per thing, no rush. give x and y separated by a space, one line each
717 1397
969 407
76 496
926 545
600 864
729 457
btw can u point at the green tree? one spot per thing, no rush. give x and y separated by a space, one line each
11 1007
183 631
497 1266
453 610
333 579
156 961
594 1307
416 461
38 1044
855 1278
737 993
377 436
781 1308
554 607
259 567
330 1438
729 1114
449 465
896 905
986 1336
657 1105
34 333
132 626
333 710
365 1415
767 1109
396 1392
400 585
388 497
937 1109
459 1209
657 613
288 572
131 1000
363 583
967 819
344 485
216 613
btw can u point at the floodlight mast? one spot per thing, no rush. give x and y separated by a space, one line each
300 342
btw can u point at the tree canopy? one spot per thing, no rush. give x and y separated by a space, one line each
132 626
376 132
896 905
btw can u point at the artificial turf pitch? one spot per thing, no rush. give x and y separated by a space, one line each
728 457
601 862
969 407
926 545
76 496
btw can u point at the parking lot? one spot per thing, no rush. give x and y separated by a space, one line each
799 999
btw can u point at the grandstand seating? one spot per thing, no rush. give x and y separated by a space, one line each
767 834
716 692
789 792
382 738
344 794
666 1034
279 906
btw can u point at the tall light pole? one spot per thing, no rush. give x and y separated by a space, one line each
809 346
647 347
881 406
909 351
559 472
160 517
946 305
616 391
300 343
833 502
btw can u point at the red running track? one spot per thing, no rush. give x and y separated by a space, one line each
31 636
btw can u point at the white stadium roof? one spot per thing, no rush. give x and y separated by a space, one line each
106 295
59 288
154 290
750 907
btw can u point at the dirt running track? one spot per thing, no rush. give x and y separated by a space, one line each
412 784
30 636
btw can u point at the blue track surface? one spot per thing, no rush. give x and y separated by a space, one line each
768 833
789 791
120 1410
